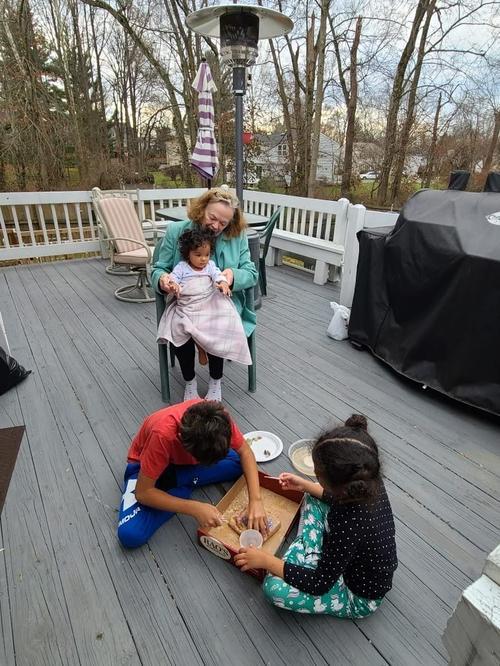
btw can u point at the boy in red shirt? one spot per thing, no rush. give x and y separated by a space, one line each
178 448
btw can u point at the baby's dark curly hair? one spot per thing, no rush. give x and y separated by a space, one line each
192 239
347 459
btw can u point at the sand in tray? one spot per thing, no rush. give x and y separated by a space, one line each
278 506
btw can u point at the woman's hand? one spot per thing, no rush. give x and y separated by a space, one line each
206 514
292 482
167 285
229 275
256 516
224 288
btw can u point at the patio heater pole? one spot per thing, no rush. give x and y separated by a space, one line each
239 28
239 81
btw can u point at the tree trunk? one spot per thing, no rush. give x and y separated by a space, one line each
100 88
304 138
488 161
286 111
432 150
352 102
318 103
410 114
62 53
395 101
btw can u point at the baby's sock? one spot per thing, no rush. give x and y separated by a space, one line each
191 390
214 390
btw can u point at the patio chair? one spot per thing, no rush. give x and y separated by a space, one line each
265 234
163 348
121 229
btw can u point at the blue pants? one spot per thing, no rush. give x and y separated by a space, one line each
137 523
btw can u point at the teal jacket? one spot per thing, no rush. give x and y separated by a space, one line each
230 253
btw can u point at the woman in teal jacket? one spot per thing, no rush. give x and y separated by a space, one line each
218 210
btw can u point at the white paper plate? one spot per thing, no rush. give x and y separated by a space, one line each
266 446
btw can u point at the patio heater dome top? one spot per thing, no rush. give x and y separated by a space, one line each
206 21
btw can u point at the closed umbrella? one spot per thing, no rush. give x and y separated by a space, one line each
204 158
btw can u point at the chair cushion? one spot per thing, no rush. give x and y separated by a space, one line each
137 257
121 220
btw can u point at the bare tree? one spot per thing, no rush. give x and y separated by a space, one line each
488 161
350 92
396 97
177 120
402 146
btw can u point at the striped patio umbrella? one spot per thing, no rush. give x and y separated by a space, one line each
204 158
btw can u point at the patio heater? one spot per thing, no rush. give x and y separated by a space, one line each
239 28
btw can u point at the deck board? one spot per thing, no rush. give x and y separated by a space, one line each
95 377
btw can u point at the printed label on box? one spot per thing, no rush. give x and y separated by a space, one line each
215 547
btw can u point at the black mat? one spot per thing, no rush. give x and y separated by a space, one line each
10 440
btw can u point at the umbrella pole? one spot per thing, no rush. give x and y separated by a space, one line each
239 81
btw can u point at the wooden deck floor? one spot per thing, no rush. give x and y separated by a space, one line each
69 594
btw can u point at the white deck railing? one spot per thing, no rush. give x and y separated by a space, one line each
41 224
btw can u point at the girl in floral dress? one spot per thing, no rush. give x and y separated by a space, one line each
343 559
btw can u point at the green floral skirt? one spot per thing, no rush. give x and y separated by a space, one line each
306 551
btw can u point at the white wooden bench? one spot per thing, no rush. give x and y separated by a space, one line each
324 252
312 228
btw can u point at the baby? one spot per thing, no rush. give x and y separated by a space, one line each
196 246
201 313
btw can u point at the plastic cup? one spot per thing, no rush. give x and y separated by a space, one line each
250 538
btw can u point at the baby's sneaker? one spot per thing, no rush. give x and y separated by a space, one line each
214 390
191 390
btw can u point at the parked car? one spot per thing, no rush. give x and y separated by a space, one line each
369 175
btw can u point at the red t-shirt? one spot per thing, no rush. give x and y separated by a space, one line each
157 443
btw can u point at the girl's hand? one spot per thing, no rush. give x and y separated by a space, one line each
256 516
251 558
229 275
292 482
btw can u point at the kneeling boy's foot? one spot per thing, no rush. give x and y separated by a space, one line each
202 356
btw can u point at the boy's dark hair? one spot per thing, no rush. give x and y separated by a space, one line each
192 239
347 459
205 432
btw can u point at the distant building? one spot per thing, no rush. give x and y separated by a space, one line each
366 156
415 165
271 159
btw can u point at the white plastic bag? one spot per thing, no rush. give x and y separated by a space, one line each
337 328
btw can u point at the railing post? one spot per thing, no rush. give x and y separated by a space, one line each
340 230
472 635
355 222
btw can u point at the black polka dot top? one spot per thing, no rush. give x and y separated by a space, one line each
359 544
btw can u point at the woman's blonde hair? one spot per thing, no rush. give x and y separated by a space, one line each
196 209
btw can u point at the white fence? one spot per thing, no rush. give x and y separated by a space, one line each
41 224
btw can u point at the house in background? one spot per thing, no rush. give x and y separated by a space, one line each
270 159
366 156
415 165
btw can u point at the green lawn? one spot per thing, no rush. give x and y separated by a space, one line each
161 180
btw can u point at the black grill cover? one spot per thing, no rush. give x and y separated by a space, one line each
427 296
